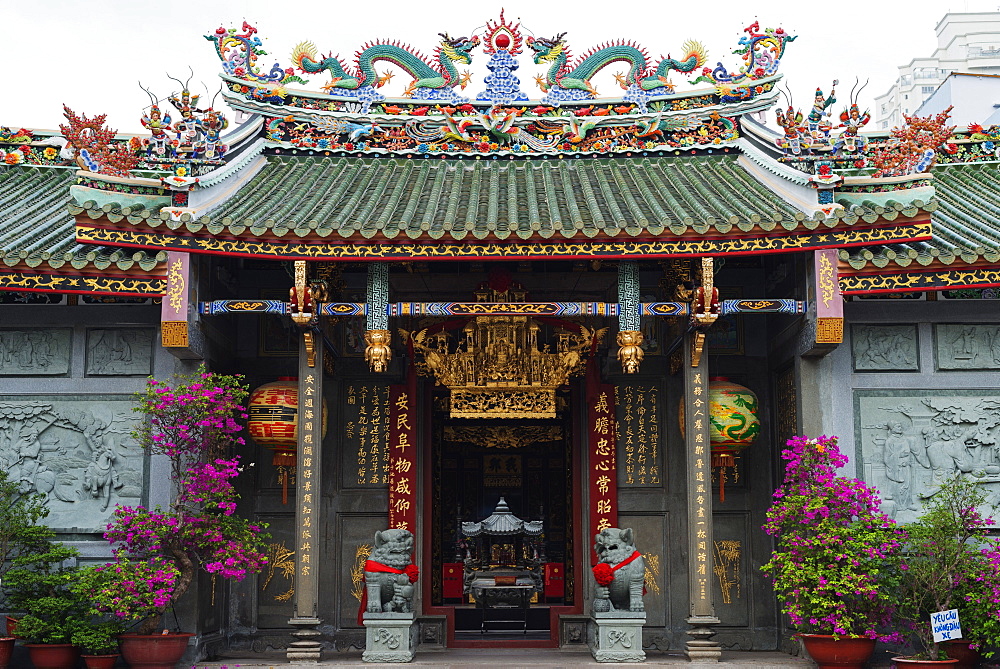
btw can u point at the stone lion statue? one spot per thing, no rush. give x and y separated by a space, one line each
620 572
390 573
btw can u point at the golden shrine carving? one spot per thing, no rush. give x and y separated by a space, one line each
498 368
501 436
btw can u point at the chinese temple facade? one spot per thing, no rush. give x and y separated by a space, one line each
526 317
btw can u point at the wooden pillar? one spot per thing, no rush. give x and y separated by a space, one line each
308 492
176 332
829 299
699 501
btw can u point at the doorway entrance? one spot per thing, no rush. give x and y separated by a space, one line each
502 532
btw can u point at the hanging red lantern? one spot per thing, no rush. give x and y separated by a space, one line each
733 424
274 423
274 418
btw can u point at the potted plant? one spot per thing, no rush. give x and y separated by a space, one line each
158 552
40 585
21 533
98 640
950 563
835 551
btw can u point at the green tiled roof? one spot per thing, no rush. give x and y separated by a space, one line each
36 230
490 199
966 224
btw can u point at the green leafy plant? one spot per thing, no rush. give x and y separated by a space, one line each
40 585
21 529
833 562
951 563
98 637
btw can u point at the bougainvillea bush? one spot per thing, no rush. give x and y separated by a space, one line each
952 563
193 421
834 566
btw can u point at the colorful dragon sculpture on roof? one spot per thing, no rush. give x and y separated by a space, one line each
761 53
431 81
563 82
239 51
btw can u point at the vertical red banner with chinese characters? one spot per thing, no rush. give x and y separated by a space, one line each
403 458
602 461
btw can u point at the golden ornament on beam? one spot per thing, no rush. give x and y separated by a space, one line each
498 369
630 354
377 352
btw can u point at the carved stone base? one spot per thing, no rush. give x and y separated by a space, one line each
701 648
306 647
616 636
390 637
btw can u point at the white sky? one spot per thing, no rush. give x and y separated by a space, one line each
90 54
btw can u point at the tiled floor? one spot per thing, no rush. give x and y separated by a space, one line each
512 659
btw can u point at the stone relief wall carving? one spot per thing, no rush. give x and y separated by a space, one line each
911 440
77 452
967 346
34 352
119 352
884 348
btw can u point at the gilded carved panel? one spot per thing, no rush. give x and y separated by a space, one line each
35 352
885 348
967 346
909 441
77 451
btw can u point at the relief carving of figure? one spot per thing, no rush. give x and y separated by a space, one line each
920 442
100 476
899 455
620 572
946 451
390 574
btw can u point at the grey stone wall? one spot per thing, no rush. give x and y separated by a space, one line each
914 395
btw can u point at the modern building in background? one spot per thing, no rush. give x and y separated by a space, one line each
967 42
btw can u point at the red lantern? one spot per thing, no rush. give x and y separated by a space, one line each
274 418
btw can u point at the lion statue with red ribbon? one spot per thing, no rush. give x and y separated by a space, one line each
620 572
390 573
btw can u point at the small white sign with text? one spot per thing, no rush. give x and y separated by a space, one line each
946 626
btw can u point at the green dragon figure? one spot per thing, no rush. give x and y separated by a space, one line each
563 83
429 83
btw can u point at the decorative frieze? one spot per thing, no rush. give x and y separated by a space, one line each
75 450
119 352
910 441
885 348
35 352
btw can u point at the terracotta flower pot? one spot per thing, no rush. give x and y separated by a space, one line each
968 658
910 663
153 651
100 661
12 627
841 653
6 650
53 655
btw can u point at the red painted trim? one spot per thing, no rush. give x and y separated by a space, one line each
922 289
77 292
589 256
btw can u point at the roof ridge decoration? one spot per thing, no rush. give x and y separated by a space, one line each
435 80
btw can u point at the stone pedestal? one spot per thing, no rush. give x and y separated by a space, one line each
390 637
701 647
307 646
616 636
